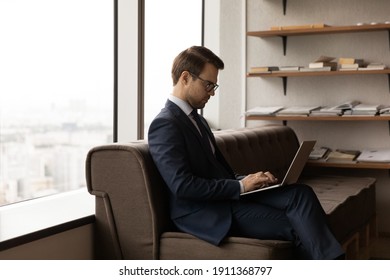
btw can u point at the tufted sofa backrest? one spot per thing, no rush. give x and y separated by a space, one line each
267 148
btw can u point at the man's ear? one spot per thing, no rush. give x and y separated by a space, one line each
185 77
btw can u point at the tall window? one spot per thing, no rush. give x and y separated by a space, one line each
56 93
170 27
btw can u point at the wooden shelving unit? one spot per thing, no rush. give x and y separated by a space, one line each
284 33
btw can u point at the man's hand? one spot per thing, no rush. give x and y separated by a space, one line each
258 180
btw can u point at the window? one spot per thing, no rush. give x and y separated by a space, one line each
56 93
167 33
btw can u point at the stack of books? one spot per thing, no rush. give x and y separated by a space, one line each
348 64
373 66
290 68
323 63
263 69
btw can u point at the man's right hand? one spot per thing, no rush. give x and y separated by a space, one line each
258 180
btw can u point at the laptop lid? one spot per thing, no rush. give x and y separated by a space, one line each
295 168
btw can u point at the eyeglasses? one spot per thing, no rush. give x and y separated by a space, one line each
209 86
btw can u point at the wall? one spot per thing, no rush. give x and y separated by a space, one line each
75 244
301 50
229 43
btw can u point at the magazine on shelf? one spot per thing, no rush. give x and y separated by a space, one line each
374 156
297 111
366 110
373 66
385 110
319 153
263 111
343 156
327 111
347 105
318 69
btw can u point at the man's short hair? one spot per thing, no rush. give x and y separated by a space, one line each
193 60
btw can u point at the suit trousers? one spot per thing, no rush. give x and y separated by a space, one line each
291 213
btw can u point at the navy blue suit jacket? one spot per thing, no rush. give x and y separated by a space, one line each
202 185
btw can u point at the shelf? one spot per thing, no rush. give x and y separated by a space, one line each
318 118
358 165
284 75
284 119
319 31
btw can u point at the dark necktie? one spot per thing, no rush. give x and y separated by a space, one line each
202 128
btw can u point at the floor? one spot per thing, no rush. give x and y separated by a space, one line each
380 250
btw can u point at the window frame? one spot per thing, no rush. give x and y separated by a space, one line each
128 110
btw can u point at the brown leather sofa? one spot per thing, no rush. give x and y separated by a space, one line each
132 217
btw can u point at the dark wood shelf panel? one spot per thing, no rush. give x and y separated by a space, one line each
319 31
358 165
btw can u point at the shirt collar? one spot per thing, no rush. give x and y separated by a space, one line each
183 105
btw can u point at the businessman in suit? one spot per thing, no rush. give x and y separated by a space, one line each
204 190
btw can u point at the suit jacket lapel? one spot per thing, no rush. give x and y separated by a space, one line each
183 118
217 160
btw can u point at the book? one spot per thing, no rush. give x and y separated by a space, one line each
306 26
331 64
319 153
373 66
308 69
263 111
263 69
348 67
343 156
346 60
289 68
324 61
374 155
376 65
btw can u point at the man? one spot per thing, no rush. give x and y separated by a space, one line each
204 191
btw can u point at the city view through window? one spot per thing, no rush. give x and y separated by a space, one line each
56 93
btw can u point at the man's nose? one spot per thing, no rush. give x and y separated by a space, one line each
212 92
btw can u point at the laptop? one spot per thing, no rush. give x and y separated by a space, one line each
295 169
